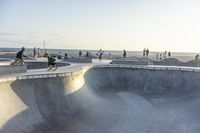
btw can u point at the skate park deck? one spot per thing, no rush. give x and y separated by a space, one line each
96 98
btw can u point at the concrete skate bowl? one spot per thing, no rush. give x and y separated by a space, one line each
192 63
145 59
42 65
5 61
103 100
169 62
176 62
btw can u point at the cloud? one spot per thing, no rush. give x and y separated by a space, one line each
8 34
13 41
30 36
46 34
29 39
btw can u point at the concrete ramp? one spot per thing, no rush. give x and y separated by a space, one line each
103 100
176 62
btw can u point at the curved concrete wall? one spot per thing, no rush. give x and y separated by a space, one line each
151 82
102 99
176 62
30 104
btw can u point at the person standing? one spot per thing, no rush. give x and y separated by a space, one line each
165 54
160 56
169 54
197 57
157 56
124 53
110 55
19 57
66 56
46 53
38 52
87 54
147 52
34 53
100 55
144 52
80 53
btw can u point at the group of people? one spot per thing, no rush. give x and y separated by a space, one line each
163 55
145 52
20 54
124 53
99 54
87 55
36 52
52 60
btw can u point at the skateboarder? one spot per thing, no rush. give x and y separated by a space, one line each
51 63
19 57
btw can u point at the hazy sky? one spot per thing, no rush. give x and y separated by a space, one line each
108 24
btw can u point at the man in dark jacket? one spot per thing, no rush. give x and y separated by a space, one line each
19 57
124 53
51 63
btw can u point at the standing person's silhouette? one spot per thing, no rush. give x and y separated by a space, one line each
124 53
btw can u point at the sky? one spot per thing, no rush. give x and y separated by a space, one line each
172 25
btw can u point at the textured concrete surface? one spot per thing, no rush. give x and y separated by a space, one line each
42 65
164 62
12 69
103 100
79 60
5 61
176 62
131 62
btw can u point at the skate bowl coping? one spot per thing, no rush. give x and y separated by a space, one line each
176 62
79 60
131 62
7 69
